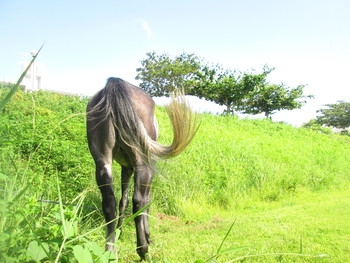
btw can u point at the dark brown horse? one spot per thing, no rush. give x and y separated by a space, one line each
121 125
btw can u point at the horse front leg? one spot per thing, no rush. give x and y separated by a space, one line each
142 197
105 182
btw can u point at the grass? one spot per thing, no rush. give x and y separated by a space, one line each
234 161
314 225
284 191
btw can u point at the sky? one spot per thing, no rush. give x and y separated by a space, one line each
307 41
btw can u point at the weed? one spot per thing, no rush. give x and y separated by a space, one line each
270 176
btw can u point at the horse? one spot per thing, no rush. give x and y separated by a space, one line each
121 126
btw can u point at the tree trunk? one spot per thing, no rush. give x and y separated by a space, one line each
229 110
267 115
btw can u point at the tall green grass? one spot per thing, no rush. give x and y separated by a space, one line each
234 162
31 231
268 177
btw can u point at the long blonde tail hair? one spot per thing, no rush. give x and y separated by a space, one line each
184 124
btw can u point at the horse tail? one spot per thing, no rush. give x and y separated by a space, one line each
114 104
184 125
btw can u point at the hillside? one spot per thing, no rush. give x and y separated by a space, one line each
232 164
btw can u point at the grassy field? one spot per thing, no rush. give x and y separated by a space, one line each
284 191
312 224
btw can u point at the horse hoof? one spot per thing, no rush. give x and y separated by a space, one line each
142 251
112 248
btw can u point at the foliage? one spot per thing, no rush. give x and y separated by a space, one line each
160 74
336 115
274 97
231 160
229 88
39 123
31 231
238 91
28 232
9 85
316 126
257 171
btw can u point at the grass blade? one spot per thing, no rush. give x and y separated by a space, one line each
61 206
129 219
223 241
18 195
15 87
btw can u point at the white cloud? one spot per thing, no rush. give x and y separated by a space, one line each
145 26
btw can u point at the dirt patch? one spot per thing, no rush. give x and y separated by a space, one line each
167 217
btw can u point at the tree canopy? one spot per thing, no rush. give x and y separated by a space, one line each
161 74
275 97
249 92
228 88
336 115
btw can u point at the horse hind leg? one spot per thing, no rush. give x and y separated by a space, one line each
142 197
126 176
105 183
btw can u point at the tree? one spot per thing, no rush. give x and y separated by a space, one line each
337 115
228 88
275 97
314 125
238 91
160 74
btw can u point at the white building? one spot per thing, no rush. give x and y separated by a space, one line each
33 79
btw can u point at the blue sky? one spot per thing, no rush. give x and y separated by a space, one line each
308 41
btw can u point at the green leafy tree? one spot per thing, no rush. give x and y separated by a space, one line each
336 115
314 125
161 74
228 88
275 97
